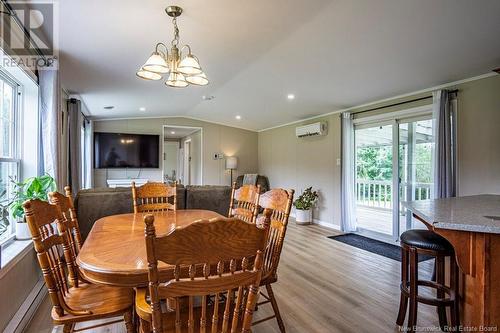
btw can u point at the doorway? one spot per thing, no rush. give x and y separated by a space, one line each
182 155
393 163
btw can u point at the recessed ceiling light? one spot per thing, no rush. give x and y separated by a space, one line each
109 107
142 109
173 132
290 96
207 98
238 117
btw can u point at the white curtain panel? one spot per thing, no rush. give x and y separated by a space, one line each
348 223
87 154
444 113
50 118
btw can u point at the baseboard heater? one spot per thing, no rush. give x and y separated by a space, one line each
27 310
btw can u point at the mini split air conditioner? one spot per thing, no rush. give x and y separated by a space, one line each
311 130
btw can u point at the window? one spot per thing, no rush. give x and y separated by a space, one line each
10 162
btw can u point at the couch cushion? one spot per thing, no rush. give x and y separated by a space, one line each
209 197
94 204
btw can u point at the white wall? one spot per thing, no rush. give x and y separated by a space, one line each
216 139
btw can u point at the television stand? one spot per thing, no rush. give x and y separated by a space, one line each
125 182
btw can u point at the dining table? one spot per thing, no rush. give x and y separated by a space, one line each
472 225
114 252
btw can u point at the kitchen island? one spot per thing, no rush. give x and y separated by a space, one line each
472 225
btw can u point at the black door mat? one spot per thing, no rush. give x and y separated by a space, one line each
374 246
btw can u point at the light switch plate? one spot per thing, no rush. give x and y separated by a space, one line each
338 161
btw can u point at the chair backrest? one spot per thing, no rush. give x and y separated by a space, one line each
211 258
53 249
244 202
65 204
154 197
279 201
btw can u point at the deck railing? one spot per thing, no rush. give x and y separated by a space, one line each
378 193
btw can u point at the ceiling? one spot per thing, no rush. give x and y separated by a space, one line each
174 132
330 54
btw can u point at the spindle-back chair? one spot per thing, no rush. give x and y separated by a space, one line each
279 201
72 301
224 259
65 204
244 202
154 197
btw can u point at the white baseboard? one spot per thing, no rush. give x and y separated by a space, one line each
320 223
27 310
326 224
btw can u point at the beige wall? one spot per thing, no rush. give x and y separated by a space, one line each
290 162
216 139
298 163
15 286
479 137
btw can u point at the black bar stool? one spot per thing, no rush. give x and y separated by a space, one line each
414 243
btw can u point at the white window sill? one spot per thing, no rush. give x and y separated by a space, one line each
13 253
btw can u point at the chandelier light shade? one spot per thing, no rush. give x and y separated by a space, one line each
156 64
190 66
176 80
148 75
183 68
199 80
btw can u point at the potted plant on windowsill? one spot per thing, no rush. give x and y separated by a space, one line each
303 206
29 189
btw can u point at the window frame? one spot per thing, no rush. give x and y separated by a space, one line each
16 145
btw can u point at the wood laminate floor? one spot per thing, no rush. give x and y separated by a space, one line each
324 286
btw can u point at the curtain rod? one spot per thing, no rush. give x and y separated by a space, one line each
73 101
401 103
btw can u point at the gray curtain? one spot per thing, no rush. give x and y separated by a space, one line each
49 120
75 144
445 109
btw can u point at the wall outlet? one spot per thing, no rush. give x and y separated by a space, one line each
338 161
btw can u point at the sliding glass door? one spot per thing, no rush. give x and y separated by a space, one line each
393 163
416 166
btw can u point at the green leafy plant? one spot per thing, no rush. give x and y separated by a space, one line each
306 200
29 189
4 213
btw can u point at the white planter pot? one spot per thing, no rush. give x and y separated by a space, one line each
22 231
303 216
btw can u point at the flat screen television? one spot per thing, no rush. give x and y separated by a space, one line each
117 150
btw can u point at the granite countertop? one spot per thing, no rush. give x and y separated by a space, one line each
478 213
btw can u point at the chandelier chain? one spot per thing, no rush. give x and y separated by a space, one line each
175 41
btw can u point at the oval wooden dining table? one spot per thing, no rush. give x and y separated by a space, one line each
114 252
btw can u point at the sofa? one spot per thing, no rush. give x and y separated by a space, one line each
93 204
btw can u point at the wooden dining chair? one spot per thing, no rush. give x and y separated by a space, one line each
278 201
65 204
72 302
244 202
154 197
223 258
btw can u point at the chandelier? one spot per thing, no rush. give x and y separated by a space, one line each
183 69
